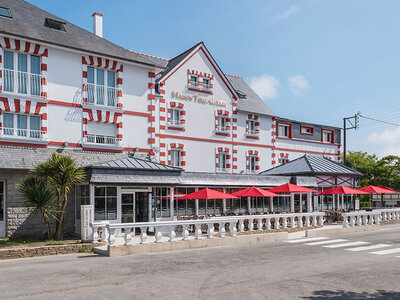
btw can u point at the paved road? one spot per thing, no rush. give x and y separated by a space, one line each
305 269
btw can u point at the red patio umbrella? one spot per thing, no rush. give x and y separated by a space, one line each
254 192
207 194
289 188
371 189
388 188
342 190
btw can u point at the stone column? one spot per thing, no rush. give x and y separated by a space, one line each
196 204
309 206
271 204
224 202
249 205
171 202
292 203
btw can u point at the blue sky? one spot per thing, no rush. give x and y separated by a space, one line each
311 60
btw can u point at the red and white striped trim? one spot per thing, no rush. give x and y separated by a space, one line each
218 152
283 155
273 139
28 107
103 63
104 116
28 48
151 107
180 147
199 75
253 153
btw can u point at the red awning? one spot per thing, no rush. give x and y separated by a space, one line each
207 194
254 192
388 188
342 190
371 189
289 188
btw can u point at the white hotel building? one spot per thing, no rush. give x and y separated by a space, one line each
145 128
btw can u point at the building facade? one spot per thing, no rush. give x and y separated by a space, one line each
65 89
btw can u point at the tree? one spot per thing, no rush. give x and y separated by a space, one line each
62 173
40 197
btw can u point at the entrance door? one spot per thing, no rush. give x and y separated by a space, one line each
127 208
2 210
141 207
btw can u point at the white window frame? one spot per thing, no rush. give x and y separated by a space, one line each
222 161
287 127
29 133
196 82
108 91
324 140
176 160
172 121
252 163
221 123
27 75
304 130
251 128
207 85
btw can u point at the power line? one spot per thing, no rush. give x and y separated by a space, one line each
380 121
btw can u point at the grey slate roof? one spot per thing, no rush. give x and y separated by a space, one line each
132 163
253 103
28 21
311 165
307 123
183 179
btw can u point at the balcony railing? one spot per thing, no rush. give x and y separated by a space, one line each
23 133
23 83
175 122
101 95
223 128
101 139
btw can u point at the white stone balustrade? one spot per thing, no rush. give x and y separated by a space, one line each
390 214
360 218
234 223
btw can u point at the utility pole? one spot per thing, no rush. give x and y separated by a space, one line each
353 121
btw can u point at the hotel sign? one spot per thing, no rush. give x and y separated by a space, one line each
198 99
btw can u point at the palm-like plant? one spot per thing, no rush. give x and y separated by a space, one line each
62 173
40 197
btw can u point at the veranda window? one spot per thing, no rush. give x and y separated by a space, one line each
82 197
22 73
21 125
105 203
101 87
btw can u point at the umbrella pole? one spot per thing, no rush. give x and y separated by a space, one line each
381 200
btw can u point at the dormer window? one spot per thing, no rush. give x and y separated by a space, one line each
54 24
5 12
327 136
284 130
241 94
307 130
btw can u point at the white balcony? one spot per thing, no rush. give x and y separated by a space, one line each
22 83
102 95
23 133
223 128
102 140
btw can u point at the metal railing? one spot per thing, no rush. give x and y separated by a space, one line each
23 133
101 95
23 83
101 139
205 228
175 122
225 128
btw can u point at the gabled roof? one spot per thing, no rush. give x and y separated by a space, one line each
252 103
28 22
184 56
132 163
311 165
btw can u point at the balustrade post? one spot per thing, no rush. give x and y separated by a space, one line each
307 221
128 236
284 222
365 220
95 234
210 230
300 221
111 236
143 235
276 222
185 232
321 220
158 235
378 219
352 217
221 230
268 223
172 233
241 225
345 221
198 232
371 219
251 224
232 228
314 220
292 222
260 224
359 220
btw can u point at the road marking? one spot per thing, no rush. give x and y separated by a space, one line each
307 239
326 242
389 251
346 244
363 248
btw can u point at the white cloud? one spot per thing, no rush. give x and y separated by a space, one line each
388 141
298 84
266 86
292 10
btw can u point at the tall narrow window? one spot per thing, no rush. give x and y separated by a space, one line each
252 127
193 80
35 75
284 130
8 124
35 127
221 123
22 125
252 163
175 158
175 117
327 136
101 87
8 71
222 161
206 83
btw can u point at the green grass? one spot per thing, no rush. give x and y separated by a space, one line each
9 241
84 250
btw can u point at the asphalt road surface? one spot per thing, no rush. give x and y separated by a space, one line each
321 268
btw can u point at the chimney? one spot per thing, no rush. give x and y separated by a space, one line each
98 24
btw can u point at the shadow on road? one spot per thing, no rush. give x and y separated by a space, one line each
340 294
